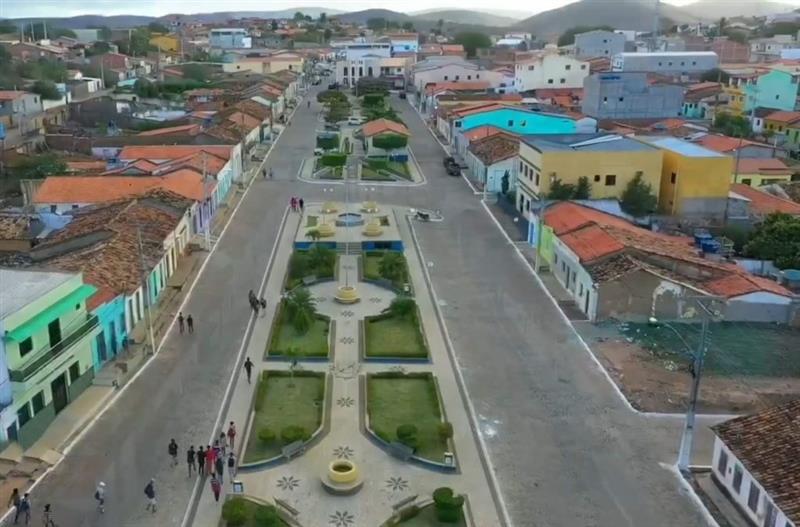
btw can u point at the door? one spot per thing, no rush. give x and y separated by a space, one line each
113 330
54 331
100 341
586 303
59 388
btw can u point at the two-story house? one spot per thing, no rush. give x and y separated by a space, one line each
777 89
550 70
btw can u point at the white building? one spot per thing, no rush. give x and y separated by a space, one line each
666 62
439 69
756 463
550 71
229 38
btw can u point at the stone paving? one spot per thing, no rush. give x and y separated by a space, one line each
387 480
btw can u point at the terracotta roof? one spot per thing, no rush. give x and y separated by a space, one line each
140 166
379 126
591 243
481 132
494 149
188 129
763 203
99 189
199 161
770 165
86 166
452 48
153 152
737 284
767 444
723 143
10 95
436 87
204 92
784 117
242 119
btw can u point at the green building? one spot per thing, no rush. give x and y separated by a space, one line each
45 351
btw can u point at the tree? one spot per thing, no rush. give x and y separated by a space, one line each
440 25
736 36
448 505
714 75
97 48
47 89
638 199
155 27
301 308
376 23
777 239
560 190
408 26
721 26
505 182
472 41
392 266
145 89
7 27
389 142
583 190
323 17
298 16
568 36
402 307
327 34
41 166
39 30
732 125
195 72
274 25
321 259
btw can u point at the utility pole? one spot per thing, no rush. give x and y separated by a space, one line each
146 293
44 27
656 24
207 207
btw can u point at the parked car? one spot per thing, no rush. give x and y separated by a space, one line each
318 151
453 170
332 127
355 120
449 160
333 86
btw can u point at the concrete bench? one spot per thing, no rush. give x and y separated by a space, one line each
293 449
309 280
400 451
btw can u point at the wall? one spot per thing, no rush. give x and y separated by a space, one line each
628 96
568 270
665 62
776 89
598 44
701 186
758 180
760 307
739 498
550 71
518 122
446 73
114 332
638 296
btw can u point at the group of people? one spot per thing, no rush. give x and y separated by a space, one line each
297 204
267 173
187 323
256 303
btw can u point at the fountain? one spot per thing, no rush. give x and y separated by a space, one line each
370 207
342 478
346 294
349 219
329 207
373 228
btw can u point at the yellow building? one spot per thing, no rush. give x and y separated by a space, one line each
610 161
166 43
757 172
695 181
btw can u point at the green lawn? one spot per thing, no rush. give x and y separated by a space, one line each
427 518
410 399
251 507
311 221
280 402
372 263
314 343
389 336
368 174
401 169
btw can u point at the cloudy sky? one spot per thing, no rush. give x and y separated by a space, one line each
65 8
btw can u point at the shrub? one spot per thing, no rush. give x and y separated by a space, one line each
445 430
266 435
448 506
402 307
337 159
328 142
373 99
299 265
378 164
293 433
389 141
266 516
407 434
234 512
393 266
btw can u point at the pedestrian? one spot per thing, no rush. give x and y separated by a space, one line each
172 450
231 434
14 500
301 202
223 445
251 296
293 203
219 467
190 455
47 515
201 460
215 488
24 509
263 303
231 466
210 457
180 322
270 173
308 103
100 496
256 306
190 323
150 492
248 368
264 172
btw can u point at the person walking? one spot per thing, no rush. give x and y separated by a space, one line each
190 323
302 203
100 497
223 445
190 456
201 460
210 457
231 466
215 488
47 516
255 305
24 509
248 368
293 203
172 449
14 500
180 322
263 303
264 172
219 468
231 434
150 492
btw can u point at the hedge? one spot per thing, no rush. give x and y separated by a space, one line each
337 159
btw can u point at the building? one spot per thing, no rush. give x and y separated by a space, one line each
694 180
734 146
609 161
229 38
384 127
755 463
349 72
47 337
769 49
730 51
403 42
550 70
629 96
783 124
599 43
429 99
700 100
170 43
614 269
755 204
492 162
18 107
776 89
666 62
44 49
757 172
437 70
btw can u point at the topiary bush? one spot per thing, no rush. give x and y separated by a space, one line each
234 512
266 435
337 159
266 516
445 430
293 433
448 505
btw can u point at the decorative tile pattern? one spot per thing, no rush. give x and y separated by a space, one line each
396 484
343 452
288 483
376 300
341 519
345 402
347 340
347 313
398 369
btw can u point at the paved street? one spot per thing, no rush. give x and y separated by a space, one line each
566 450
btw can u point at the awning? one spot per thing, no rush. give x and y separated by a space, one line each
47 315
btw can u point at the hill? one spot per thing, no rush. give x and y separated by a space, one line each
87 21
714 9
361 17
619 14
465 16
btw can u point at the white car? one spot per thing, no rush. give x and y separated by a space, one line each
355 120
318 151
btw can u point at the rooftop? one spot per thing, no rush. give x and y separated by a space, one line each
598 142
379 126
767 444
768 165
154 152
784 117
681 147
496 148
723 143
763 203
667 54
21 287
10 95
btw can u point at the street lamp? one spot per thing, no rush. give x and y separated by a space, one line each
697 356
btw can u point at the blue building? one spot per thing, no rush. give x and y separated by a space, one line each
113 334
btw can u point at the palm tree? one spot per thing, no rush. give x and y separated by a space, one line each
402 307
321 259
301 308
392 266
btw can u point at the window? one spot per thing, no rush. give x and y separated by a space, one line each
53 208
747 181
683 63
74 371
520 166
770 514
611 180
722 463
26 346
605 99
530 68
38 402
477 76
537 179
694 63
621 99
562 81
752 497
469 77
445 77
669 63
568 67
24 414
673 178
659 64
523 123
597 178
737 478
605 41
583 66
458 124
74 207
510 122
549 81
360 71
458 77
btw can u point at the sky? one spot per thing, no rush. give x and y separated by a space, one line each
66 8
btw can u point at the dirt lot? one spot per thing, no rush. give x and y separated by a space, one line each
656 380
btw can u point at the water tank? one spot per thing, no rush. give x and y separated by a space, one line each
710 246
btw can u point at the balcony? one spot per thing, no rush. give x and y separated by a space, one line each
43 357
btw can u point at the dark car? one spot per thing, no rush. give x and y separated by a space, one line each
402 95
449 160
333 86
453 170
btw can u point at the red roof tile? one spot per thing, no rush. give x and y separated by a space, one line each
154 152
763 203
379 126
770 165
188 129
591 243
496 148
481 132
724 144
437 87
784 117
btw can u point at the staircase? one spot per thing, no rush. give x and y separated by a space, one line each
348 247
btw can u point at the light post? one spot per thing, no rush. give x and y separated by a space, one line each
697 356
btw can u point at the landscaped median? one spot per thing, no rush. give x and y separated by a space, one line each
316 263
246 511
288 407
406 409
447 509
382 169
299 339
385 268
396 333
